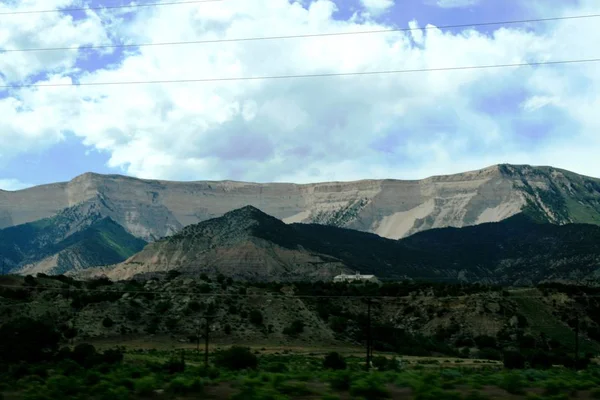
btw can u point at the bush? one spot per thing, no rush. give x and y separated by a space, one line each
133 315
370 388
256 317
277 367
107 322
145 386
174 365
296 328
513 383
489 353
334 361
435 393
84 354
340 380
162 307
236 358
513 360
385 364
27 340
172 274
181 385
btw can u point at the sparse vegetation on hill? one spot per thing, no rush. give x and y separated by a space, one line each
409 318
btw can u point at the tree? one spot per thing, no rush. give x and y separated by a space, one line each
27 340
334 360
172 274
296 328
513 360
236 358
256 317
107 322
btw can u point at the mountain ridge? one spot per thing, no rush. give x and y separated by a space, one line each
250 245
151 209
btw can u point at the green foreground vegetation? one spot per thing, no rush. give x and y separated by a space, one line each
527 350
239 373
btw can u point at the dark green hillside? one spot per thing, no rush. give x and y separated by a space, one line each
103 243
518 248
79 243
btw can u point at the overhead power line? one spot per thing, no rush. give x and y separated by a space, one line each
322 75
258 38
254 295
156 4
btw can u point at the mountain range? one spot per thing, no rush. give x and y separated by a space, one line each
387 227
250 245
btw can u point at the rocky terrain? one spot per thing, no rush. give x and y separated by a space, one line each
250 245
406 317
390 208
36 224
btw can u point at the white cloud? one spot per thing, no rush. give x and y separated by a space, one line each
377 6
456 3
536 102
35 121
13 184
308 129
416 34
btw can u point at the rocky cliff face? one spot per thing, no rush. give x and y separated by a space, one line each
391 208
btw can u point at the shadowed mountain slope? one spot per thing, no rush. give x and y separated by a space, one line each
248 244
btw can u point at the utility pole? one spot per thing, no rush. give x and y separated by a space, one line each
576 341
206 333
368 334
198 336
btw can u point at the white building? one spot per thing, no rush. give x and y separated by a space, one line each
355 278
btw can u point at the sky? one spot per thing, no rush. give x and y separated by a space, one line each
312 129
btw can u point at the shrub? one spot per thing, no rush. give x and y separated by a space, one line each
340 380
435 393
256 317
370 388
145 386
513 360
293 388
236 358
181 385
385 364
107 322
540 360
556 386
296 328
174 365
475 395
171 323
133 315
112 356
62 386
277 367
513 383
172 274
194 306
162 307
489 353
84 354
484 341
334 361
27 340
